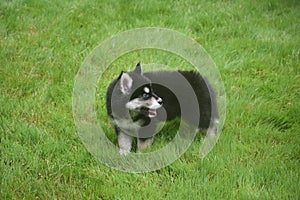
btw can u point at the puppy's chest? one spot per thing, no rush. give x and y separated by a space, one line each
127 124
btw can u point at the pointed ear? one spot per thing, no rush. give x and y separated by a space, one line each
138 68
125 82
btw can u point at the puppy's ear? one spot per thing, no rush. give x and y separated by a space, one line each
125 82
138 68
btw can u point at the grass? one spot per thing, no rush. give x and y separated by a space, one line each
255 44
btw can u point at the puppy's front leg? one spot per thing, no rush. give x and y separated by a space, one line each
144 143
125 143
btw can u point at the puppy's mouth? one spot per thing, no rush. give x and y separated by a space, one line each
152 112
148 112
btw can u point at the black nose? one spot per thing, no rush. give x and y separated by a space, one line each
159 100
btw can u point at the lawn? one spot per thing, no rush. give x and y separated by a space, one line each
255 45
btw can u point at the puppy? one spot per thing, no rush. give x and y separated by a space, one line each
136 102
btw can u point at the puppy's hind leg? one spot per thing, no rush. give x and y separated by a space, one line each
125 143
212 130
210 138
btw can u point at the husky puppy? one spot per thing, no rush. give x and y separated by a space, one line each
137 102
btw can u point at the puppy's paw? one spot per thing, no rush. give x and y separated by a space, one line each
124 152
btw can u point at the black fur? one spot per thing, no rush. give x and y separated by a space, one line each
205 95
200 112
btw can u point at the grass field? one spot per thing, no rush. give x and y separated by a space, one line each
256 46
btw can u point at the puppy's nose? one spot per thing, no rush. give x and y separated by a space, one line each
160 101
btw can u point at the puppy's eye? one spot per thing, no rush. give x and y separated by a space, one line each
146 95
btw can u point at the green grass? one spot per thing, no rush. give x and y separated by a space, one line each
256 46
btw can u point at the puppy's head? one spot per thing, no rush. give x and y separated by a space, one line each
138 87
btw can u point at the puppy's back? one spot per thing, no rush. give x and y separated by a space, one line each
164 81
